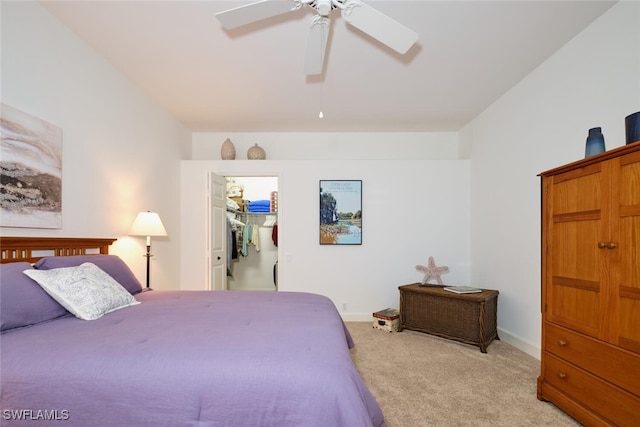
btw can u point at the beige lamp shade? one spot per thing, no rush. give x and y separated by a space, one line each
147 224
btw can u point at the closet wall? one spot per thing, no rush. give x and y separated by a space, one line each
255 269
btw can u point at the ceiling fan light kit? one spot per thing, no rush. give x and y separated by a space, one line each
354 12
324 7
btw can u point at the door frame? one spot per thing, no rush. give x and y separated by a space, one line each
194 177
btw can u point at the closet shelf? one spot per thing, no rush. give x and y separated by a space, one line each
235 211
258 213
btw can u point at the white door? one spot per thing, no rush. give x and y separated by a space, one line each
218 236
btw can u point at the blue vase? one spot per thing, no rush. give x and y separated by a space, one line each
595 142
632 126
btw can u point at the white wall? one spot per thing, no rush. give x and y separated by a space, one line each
121 153
256 187
542 123
412 209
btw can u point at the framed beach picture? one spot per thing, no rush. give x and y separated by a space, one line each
31 171
340 212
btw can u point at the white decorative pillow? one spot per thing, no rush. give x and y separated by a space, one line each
86 290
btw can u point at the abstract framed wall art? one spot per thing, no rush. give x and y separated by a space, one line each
30 171
340 212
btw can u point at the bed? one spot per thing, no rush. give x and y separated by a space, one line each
171 358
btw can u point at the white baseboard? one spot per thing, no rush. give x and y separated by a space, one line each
357 317
519 343
529 348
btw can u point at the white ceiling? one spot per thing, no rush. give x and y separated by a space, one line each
251 79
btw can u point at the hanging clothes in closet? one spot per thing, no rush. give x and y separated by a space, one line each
250 236
234 227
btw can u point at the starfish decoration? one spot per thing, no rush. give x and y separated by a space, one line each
431 271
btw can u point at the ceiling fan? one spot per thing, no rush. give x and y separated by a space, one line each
355 12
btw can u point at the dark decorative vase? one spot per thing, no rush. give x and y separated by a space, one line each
632 126
595 142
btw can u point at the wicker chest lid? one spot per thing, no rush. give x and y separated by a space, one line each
440 292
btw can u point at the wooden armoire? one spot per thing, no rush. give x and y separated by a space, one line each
590 361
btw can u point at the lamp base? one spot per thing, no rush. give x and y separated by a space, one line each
148 255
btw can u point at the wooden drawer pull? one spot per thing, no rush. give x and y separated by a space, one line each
607 245
562 343
562 375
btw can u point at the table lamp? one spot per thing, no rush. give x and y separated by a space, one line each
148 224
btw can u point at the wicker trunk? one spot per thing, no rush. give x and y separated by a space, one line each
468 318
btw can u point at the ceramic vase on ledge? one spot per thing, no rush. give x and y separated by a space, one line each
227 151
256 153
595 142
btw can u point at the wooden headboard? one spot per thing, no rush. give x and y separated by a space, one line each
31 249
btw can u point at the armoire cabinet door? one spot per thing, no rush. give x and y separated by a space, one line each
625 260
577 221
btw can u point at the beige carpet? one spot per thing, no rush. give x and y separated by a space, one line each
422 380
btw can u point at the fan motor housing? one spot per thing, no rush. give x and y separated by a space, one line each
324 7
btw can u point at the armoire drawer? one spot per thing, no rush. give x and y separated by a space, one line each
598 396
603 360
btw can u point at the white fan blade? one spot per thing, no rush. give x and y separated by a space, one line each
316 45
379 26
254 12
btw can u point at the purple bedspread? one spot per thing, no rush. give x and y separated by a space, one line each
189 358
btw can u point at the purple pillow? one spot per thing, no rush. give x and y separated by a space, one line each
113 265
22 301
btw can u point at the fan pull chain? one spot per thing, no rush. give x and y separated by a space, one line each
321 115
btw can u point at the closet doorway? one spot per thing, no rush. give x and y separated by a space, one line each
252 210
